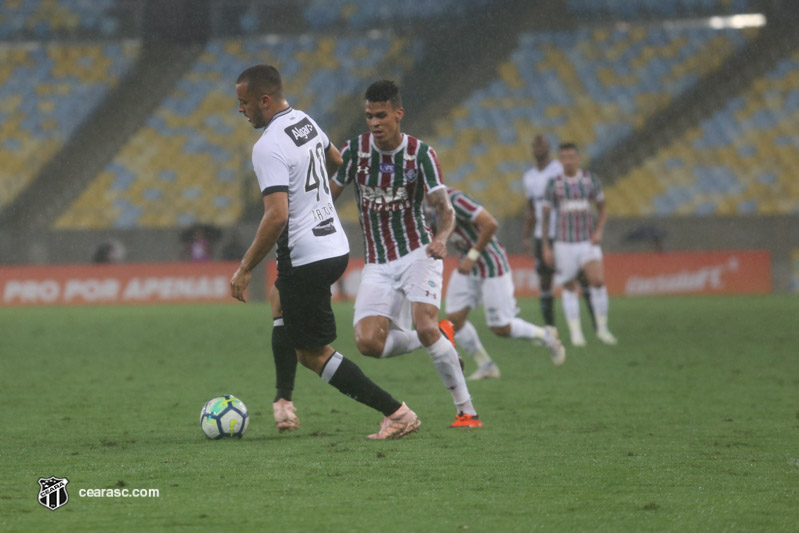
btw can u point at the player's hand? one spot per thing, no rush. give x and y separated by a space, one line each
549 257
437 249
239 284
465 266
596 237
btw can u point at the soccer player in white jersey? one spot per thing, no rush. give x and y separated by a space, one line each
484 275
535 182
292 160
577 239
401 283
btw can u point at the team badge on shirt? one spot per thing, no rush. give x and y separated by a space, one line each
410 174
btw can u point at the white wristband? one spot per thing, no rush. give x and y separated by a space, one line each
473 254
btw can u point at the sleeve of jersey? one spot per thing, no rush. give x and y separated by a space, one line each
465 208
431 170
344 174
271 169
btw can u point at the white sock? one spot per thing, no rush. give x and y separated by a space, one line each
599 301
519 329
400 341
571 308
445 359
468 339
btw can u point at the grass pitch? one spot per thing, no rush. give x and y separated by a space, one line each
691 423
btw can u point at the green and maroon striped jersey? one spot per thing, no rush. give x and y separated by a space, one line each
390 188
571 198
493 261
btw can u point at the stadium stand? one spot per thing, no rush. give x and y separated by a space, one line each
46 91
741 160
593 86
45 19
641 9
359 14
183 166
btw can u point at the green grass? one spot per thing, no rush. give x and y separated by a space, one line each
689 424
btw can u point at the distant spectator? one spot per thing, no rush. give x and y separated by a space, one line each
111 251
198 249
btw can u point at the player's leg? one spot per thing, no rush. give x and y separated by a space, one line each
462 295
595 273
567 257
585 290
501 316
446 362
382 316
545 277
285 368
311 327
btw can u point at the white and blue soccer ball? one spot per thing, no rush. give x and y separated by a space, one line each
224 416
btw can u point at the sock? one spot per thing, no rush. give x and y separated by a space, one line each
547 302
571 308
587 291
468 339
445 359
519 329
400 341
599 296
285 361
351 381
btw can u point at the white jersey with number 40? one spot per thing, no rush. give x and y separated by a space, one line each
290 157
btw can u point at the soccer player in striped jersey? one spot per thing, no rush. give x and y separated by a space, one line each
484 274
535 182
577 239
393 173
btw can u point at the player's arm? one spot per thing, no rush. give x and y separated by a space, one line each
487 225
529 225
340 177
546 249
333 160
602 217
438 199
276 216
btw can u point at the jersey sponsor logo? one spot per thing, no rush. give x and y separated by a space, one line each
384 199
326 227
387 168
301 132
569 206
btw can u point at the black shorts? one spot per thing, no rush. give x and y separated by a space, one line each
305 300
540 266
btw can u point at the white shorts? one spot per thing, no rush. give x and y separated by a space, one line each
571 257
388 288
496 294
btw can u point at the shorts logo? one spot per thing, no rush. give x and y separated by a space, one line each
410 174
431 283
387 168
53 492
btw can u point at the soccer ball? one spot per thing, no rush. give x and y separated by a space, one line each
224 416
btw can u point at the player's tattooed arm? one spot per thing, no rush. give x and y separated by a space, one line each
529 224
439 200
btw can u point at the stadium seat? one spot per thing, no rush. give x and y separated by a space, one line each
742 160
68 80
191 160
593 86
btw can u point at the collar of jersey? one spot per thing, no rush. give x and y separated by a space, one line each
279 114
403 143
